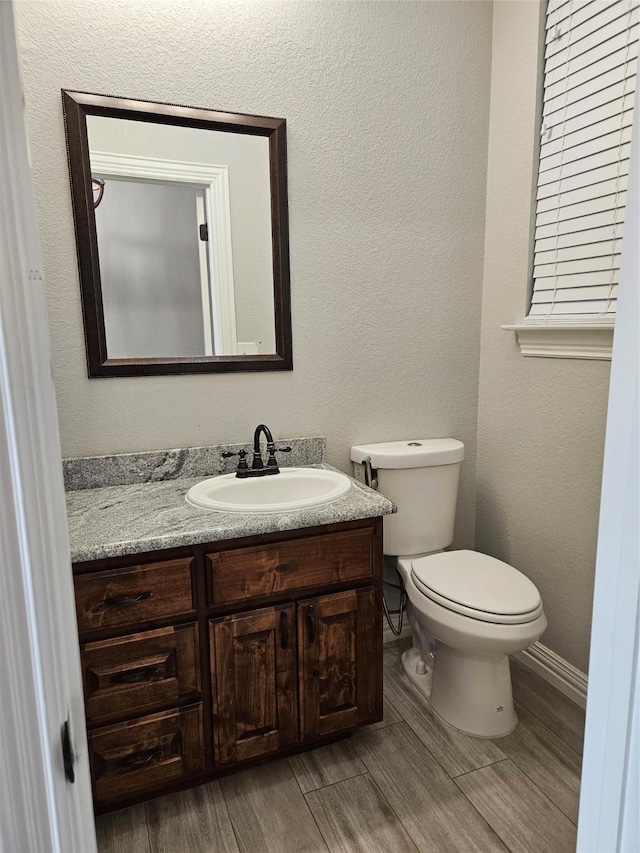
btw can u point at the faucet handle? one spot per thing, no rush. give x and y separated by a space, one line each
272 462
242 458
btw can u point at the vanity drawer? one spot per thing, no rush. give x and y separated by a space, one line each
139 756
127 597
312 561
133 675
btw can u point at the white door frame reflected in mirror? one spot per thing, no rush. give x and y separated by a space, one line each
216 253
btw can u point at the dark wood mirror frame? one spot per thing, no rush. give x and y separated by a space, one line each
76 107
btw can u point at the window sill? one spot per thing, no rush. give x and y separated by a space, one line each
564 340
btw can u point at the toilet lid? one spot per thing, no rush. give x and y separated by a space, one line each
478 586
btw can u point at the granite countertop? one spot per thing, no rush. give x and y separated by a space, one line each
152 513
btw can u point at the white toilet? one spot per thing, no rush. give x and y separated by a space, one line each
468 611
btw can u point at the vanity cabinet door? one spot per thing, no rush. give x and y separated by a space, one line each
253 662
340 647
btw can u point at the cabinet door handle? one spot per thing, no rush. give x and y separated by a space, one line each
141 759
146 674
120 600
311 622
284 630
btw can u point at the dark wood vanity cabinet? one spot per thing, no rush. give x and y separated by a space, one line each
198 661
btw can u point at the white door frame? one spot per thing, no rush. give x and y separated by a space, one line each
220 295
39 658
610 794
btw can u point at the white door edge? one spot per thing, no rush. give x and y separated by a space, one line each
608 818
39 657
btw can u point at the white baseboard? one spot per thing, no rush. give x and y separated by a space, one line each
557 671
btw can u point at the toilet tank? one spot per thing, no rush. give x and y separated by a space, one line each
421 478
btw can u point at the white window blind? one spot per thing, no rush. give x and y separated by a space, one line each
591 60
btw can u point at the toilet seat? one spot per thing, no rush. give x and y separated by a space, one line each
477 586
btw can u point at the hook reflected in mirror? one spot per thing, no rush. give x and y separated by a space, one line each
97 187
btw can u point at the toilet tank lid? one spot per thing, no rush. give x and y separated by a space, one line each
412 453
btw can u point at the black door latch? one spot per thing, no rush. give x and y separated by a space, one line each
67 753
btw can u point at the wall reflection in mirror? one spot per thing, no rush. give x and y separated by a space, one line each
187 211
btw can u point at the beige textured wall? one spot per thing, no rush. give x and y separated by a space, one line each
541 421
387 107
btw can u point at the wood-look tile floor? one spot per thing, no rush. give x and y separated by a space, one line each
409 783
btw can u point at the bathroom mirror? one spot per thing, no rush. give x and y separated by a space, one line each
182 237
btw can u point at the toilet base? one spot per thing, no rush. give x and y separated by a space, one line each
472 694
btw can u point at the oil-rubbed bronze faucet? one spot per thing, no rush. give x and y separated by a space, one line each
258 468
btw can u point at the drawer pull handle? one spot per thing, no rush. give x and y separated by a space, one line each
120 600
146 674
284 630
141 759
311 622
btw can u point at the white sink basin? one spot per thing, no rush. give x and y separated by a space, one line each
292 488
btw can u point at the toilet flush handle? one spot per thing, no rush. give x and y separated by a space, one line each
370 473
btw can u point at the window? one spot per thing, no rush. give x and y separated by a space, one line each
590 70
